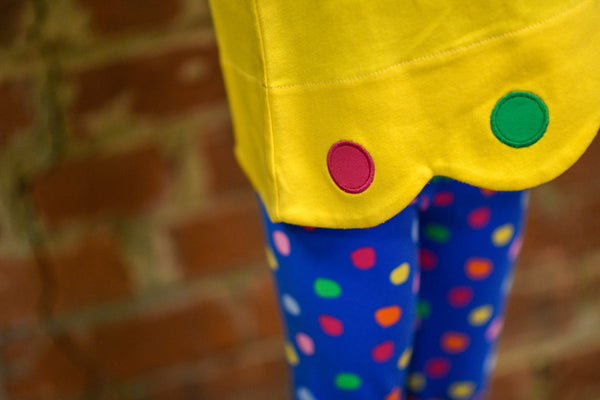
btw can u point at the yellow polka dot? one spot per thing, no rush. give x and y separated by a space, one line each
291 355
271 259
400 274
416 382
480 315
405 358
461 390
502 235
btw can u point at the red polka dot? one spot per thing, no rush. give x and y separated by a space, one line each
427 259
383 352
309 228
460 296
350 166
443 199
331 325
487 192
437 367
363 258
479 217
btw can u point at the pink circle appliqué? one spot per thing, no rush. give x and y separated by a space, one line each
350 166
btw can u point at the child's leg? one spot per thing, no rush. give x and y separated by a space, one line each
470 239
348 302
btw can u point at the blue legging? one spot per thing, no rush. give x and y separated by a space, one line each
409 309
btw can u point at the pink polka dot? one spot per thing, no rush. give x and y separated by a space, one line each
305 343
427 259
443 199
350 166
363 258
282 243
309 228
424 204
460 296
437 367
383 352
331 325
416 282
515 249
493 331
479 217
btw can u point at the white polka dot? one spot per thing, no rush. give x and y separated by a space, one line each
290 305
507 284
490 363
415 231
282 243
303 393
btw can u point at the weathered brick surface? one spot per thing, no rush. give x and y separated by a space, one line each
261 300
518 383
115 16
542 302
243 379
225 173
225 237
122 183
16 109
565 214
19 291
164 84
576 375
11 24
163 336
91 273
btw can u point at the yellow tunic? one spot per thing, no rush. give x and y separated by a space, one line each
344 109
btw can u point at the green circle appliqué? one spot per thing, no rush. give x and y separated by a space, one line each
520 119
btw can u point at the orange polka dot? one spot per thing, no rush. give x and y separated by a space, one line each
478 268
395 394
455 342
388 316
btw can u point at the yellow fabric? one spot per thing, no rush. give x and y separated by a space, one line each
414 83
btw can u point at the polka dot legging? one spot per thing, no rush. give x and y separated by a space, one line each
409 309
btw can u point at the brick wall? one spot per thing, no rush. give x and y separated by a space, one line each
118 278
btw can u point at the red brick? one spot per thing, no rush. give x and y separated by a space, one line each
116 16
91 273
576 376
262 303
221 238
19 291
161 337
11 13
38 370
123 183
514 384
244 379
543 300
157 84
16 112
225 173
565 214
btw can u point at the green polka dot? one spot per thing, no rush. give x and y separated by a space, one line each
346 381
423 309
327 288
520 119
437 233
440 178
